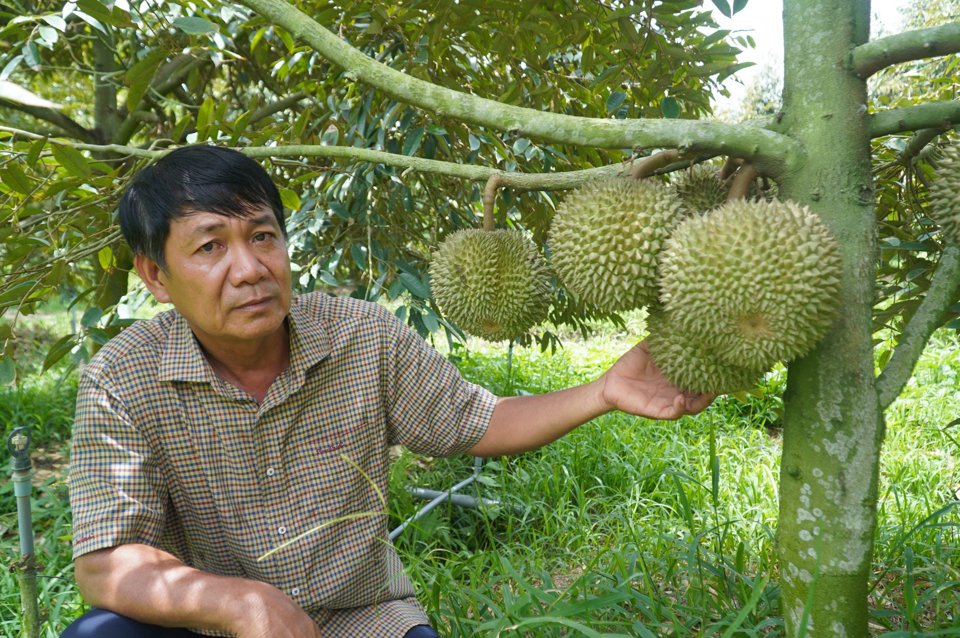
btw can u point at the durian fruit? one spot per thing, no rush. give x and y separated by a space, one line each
692 366
944 205
756 282
700 188
605 238
493 284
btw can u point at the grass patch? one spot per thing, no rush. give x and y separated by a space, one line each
626 527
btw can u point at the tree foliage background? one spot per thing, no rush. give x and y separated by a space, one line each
128 79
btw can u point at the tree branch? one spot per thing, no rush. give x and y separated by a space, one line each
165 80
742 180
518 181
768 150
170 74
106 116
489 198
869 58
917 142
944 290
70 127
646 167
275 107
940 115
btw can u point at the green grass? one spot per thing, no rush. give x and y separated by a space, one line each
626 527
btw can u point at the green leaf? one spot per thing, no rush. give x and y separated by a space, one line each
14 177
55 21
714 37
141 75
723 7
194 25
93 22
59 350
91 317
48 35
614 100
412 141
430 320
290 199
71 160
738 5
204 117
34 153
413 283
670 107
99 336
8 370
14 295
31 55
105 257
96 9
330 136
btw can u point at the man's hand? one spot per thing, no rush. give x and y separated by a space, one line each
266 612
634 385
153 586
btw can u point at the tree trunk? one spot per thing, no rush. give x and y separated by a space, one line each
833 426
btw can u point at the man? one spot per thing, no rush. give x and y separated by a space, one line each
230 456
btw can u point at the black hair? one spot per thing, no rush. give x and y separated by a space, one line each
193 179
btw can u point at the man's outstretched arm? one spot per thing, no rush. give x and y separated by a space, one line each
633 385
152 586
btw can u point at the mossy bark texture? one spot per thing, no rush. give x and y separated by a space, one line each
833 426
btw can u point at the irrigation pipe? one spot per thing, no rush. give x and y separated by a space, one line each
26 568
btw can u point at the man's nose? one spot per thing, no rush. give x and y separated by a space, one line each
245 266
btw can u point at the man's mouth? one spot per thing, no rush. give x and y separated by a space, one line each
255 304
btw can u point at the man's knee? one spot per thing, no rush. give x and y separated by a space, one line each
99 623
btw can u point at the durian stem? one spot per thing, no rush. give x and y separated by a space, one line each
489 197
741 182
730 167
646 166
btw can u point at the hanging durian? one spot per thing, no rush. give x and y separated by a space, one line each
605 239
491 283
690 365
944 207
753 282
700 188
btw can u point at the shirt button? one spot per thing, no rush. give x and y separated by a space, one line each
281 530
271 471
295 591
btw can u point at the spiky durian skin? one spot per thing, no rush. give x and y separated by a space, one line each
756 282
691 366
605 238
493 284
700 188
944 205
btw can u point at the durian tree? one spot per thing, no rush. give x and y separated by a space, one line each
816 149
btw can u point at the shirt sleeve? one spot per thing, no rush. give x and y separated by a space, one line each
433 410
115 494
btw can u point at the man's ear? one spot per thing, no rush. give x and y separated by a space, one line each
151 274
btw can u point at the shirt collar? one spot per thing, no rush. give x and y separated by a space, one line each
183 360
309 340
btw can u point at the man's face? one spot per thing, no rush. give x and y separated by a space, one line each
228 276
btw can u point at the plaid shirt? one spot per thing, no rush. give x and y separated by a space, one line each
168 454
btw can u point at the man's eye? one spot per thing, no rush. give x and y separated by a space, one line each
261 237
207 247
